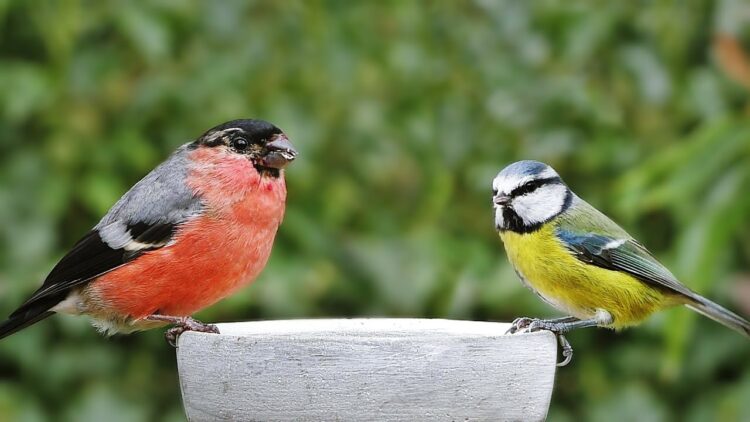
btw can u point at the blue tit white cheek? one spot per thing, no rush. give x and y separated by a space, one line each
540 205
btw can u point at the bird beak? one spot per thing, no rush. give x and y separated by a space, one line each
280 152
501 200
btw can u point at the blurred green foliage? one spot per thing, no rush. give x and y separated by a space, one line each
402 112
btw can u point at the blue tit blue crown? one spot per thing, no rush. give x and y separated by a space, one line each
525 168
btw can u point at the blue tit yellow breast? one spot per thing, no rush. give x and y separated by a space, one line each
578 288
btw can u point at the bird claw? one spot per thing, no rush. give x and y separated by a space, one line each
188 324
182 324
530 325
519 325
567 350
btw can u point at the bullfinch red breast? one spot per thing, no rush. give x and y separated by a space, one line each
196 229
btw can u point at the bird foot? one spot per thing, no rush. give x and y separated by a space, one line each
520 325
529 325
182 324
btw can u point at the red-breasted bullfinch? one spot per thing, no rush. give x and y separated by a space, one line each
196 229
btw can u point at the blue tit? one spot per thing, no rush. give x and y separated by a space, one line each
580 262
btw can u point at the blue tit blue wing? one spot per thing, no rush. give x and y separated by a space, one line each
595 239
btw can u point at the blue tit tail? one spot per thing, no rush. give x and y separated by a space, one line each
720 314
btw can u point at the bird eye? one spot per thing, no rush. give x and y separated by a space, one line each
240 144
533 185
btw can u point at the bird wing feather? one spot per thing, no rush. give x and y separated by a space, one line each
595 239
144 219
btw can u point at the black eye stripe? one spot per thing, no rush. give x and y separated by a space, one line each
533 185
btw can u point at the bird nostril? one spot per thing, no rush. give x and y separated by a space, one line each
501 200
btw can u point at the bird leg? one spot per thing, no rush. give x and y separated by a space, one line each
182 324
560 326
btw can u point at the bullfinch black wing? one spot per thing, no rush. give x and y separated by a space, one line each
145 218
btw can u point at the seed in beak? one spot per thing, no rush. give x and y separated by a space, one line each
280 153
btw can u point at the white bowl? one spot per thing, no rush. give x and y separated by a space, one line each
366 369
